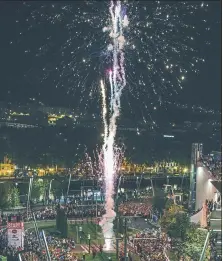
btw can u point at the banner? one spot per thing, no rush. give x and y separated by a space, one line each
16 235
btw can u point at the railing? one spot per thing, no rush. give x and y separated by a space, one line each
76 176
206 243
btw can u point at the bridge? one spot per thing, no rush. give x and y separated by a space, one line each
124 175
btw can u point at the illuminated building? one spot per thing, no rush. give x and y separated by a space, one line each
158 167
7 168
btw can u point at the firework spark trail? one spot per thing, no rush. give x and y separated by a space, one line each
117 82
104 111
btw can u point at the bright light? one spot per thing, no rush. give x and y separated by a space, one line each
168 136
185 170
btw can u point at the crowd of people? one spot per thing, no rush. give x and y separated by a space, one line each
50 212
135 209
128 208
214 165
5 250
151 245
211 205
60 249
89 211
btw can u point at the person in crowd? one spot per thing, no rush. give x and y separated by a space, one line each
214 165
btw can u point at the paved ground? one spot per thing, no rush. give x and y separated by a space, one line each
216 214
138 223
79 249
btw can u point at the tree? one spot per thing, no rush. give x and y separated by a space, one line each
174 209
38 189
179 227
4 193
120 224
61 221
57 188
182 224
13 197
169 203
169 217
193 245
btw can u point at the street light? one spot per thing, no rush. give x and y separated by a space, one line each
48 196
167 179
89 243
185 170
125 242
151 181
46 246
68 186
29 194
139 180
117 245
20 259
79 229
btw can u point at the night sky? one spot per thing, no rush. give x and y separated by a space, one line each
202 89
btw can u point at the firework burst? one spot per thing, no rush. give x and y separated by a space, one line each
159 48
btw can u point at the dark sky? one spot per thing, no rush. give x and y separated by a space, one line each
203 89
